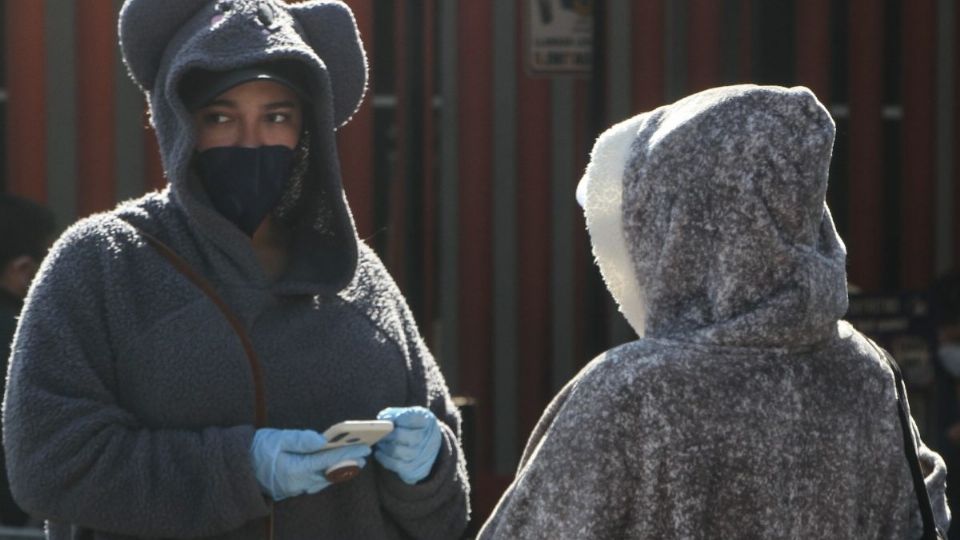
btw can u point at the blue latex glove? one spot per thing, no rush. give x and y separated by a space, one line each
290 462
412 447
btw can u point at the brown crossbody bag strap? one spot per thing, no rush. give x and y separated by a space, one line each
182 266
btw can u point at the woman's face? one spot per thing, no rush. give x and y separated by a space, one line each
252 114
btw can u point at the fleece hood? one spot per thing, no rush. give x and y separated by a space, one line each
163 40
709 223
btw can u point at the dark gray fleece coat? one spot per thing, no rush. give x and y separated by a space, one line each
747 409
130 402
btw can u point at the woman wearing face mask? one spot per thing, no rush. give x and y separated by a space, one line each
179 357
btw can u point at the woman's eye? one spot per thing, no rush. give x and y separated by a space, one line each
278 118
215 118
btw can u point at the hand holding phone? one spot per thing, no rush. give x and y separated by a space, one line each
412 448
286 461
350 432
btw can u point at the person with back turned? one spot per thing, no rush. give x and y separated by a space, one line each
748 408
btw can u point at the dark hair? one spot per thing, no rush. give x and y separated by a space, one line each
945 297
26 228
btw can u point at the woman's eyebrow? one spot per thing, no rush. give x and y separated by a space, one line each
286 104
221 102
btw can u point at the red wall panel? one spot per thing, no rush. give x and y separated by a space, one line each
475 113
813 47
397 245
534 238
703 45
96 35
26 105
647 33
918 136
865 245
355 140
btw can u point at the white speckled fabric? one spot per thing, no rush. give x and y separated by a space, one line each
748 409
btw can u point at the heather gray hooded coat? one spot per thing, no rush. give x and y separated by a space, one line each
747 409
130 402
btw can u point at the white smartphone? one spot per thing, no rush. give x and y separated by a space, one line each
365 432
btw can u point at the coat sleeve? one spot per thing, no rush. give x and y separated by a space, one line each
438 506
573 480
935 471
74 454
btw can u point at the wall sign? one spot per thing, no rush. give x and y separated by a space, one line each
559 37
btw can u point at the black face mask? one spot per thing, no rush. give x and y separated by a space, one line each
245 184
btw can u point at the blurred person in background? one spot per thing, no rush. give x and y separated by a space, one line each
26 231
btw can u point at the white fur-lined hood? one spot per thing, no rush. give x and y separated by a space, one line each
708 218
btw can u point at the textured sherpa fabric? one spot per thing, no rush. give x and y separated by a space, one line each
130 403
748 409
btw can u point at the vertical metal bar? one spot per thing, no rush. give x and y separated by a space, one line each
129 129
589 118
60 150
448 349
475 152
813 46
730 39
956 147
675 46
866 144
429 171
355 140
533 236
619 93
946 162
745 45
619 59
26 106
589 294
918 132
96 136
704 59
562 203
649 54
506 446
412 115
598 101
397 231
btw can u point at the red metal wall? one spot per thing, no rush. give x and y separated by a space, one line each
25 55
